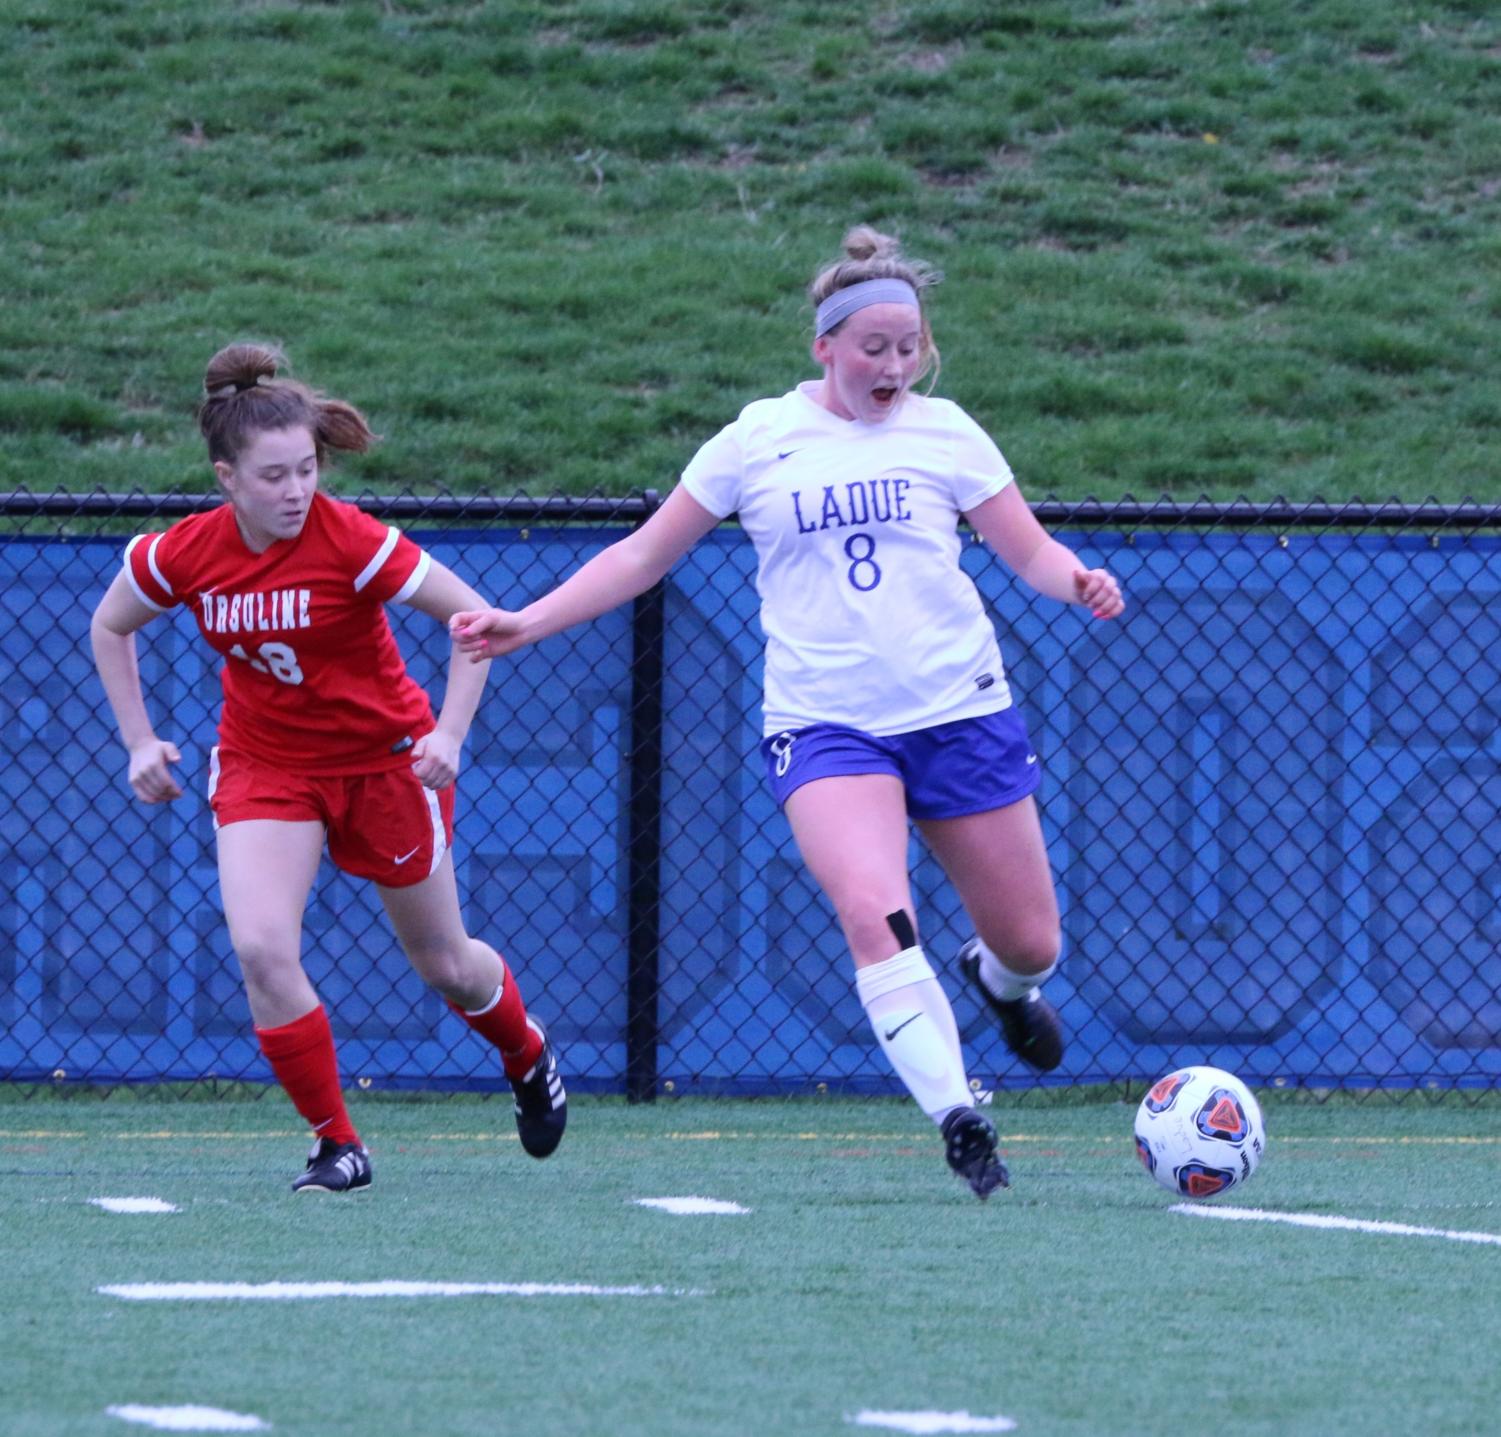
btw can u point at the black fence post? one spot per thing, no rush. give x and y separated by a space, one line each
644 840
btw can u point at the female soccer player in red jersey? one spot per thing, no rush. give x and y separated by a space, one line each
323 736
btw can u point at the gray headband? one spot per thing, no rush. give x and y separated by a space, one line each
844 302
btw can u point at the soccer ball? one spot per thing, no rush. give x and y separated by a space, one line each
1199 1132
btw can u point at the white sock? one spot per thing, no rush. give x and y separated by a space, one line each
915 1027
1000 982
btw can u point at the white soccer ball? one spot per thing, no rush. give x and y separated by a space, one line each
1199 1132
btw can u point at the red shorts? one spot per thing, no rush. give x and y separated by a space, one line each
384 826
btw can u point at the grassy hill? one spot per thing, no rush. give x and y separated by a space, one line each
1194 247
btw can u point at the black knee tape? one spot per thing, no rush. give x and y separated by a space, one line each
901 928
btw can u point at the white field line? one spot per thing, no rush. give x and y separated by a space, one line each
930 1422
690 1206
393 1287
134 1204
1342 1224
188 1419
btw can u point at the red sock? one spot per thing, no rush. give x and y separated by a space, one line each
301 1054
503 1022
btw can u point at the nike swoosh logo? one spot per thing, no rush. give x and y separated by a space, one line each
892 1032
786 453
399 861
1031 758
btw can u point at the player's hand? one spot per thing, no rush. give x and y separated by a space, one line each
150 778
1098 591
487 633
436 759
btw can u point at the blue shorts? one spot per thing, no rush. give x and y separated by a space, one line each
952 769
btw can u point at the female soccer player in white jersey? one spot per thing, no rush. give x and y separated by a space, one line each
323 735
886 699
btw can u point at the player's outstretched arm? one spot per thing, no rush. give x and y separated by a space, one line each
613 576
483 633
436 756
1007 524
112 636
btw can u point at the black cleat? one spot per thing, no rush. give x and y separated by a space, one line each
969 1143
541 1103
1030 1024
334 1168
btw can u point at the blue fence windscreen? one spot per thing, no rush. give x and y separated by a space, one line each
1271 800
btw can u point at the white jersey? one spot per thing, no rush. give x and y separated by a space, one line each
869 620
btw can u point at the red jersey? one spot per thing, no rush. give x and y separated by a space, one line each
313 679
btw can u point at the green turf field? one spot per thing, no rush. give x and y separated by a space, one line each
864 1278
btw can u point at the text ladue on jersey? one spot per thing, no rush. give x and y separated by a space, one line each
257 612
861 501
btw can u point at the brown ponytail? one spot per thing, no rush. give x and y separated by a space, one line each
243 398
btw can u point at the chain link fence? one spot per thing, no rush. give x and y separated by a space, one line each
1272 800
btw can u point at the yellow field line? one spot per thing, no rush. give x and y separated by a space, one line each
158 1135
1422 1142
711 1136
1053 1138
